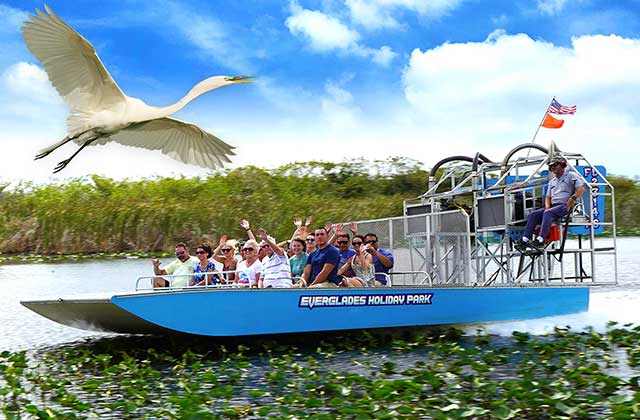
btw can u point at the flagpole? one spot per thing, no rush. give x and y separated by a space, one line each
533 140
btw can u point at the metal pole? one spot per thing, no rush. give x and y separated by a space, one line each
533 140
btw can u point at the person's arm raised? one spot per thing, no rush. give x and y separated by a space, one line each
265 237
247 227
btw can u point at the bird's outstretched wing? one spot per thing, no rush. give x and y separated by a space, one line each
180 140
71 63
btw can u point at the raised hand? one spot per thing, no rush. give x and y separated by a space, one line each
307 222
340 228
263 234
328 227
155 262
245 224
223 240
353 228
297 222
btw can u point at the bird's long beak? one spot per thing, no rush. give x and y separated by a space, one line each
241 79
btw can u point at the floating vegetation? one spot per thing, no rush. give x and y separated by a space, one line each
438 375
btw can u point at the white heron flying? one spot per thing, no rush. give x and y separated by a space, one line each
100 112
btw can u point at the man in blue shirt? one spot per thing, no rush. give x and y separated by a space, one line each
343 241
322 265
382 259
562 193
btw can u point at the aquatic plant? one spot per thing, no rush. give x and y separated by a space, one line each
438 375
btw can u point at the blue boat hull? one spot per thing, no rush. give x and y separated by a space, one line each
242 312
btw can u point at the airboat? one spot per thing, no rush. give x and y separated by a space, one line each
455 263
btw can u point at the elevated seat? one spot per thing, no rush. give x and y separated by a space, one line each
557 232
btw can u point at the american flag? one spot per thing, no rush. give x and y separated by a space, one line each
557 108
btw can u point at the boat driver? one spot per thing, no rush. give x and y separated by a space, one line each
564 189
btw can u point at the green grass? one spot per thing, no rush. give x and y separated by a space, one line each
100 215
95 214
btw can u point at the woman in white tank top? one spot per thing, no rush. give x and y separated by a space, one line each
362 265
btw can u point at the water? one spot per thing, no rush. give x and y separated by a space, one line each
22 329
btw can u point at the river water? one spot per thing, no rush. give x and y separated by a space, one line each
21 329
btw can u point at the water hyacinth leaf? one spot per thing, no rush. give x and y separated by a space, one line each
620 399
473 412
565 409
450 407
256 393
263 411
503 413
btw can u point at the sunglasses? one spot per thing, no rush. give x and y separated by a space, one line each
343 242
310 240
371 242
249 249
201 252
179 254
356 243
226 250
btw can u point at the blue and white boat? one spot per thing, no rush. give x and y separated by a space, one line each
455 263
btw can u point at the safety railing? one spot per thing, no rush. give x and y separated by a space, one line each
418 278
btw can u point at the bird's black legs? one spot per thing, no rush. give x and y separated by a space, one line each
64 163
44 152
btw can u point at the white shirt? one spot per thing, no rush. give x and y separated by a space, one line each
276 271
247 275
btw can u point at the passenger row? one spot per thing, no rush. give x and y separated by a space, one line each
321 258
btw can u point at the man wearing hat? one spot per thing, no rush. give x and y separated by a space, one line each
562 193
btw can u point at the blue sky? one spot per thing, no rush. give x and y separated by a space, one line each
341 79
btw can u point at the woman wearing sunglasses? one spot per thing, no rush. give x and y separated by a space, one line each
225 254
361 264
311 243
204 265
249 269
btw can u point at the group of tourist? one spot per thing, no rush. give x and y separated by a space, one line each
326 257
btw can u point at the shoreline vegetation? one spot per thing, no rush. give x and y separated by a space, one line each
96 217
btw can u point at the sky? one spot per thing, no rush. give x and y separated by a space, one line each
337 80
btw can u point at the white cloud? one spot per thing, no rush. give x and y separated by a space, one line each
494 93
11 19
338 107
383 56
29 82
377 14
210 36
27 95
550 7
370 15
327 33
